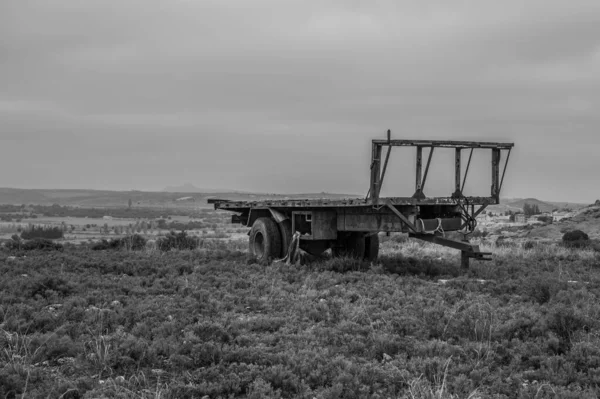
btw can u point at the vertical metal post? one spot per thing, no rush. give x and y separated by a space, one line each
464 260
457 173
385 164
419 172
496 174
375 172
373 187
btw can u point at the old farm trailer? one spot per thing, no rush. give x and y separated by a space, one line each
350 226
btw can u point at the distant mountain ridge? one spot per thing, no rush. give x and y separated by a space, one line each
544 206
190 188
110 198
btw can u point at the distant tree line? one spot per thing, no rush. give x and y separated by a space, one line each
530 210
42 232
137 213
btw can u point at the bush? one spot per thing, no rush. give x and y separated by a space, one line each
42 232
583 244
575 235
545 219
177 241
38 243
505 242
133 242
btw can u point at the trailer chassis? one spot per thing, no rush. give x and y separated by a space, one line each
350 226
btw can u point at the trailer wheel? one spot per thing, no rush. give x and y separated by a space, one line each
352 245
285 230
265 240
372 247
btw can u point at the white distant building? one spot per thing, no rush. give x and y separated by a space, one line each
107 217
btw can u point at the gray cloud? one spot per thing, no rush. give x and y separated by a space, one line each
217 93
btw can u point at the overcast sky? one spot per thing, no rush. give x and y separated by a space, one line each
285 96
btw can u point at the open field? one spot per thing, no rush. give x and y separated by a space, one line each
212 323
79 229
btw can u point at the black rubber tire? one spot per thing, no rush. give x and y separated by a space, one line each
265 240
285 231
372 247
353 245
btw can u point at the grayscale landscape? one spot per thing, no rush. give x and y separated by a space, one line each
283 199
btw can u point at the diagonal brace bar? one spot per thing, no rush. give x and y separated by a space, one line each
402 217
385 164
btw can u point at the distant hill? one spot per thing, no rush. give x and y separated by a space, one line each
92 198
150 199
190 188
517 204
586 219
544 206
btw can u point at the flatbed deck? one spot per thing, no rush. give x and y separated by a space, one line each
241 206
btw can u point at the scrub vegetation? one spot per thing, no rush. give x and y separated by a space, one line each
212 322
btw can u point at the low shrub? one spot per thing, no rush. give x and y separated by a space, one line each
583 244
505 242
35 244
545 219
42 232
344 264
577 244
575 235
175 240
133 242
530 244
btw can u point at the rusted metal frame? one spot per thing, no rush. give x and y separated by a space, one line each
465 214
403 218
375 172
445 143
446 224
462 188
421 177
504 171
372 181
447 242
481 209
385 164
419 173
471 250
244 206
426 169
457 172
495 173
475 214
